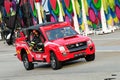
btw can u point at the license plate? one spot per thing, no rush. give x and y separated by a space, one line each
81 54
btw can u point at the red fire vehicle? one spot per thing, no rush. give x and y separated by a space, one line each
55 44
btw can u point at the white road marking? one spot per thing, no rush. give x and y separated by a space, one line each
107 39
2 55
108 51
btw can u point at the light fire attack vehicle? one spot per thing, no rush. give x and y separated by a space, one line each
57 43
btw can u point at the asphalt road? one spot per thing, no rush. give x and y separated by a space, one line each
105 67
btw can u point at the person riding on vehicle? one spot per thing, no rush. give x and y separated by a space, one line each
36 43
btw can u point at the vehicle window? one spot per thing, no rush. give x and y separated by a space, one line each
60 33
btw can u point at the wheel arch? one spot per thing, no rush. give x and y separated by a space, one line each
49 53
23 51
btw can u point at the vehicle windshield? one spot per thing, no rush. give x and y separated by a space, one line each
60 33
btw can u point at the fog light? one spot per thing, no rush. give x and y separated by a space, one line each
91 48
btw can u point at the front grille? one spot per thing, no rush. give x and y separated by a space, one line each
77 46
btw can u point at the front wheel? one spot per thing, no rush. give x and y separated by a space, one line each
90 57
55 64
28 65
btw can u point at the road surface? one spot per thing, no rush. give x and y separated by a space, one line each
105 67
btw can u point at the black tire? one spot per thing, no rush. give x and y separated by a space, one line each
55 64
90 57
28 65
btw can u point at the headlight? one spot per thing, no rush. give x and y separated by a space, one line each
89 42
62 50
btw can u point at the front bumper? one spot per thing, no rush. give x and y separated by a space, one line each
78 54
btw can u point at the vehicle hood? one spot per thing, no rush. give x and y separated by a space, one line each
71 40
